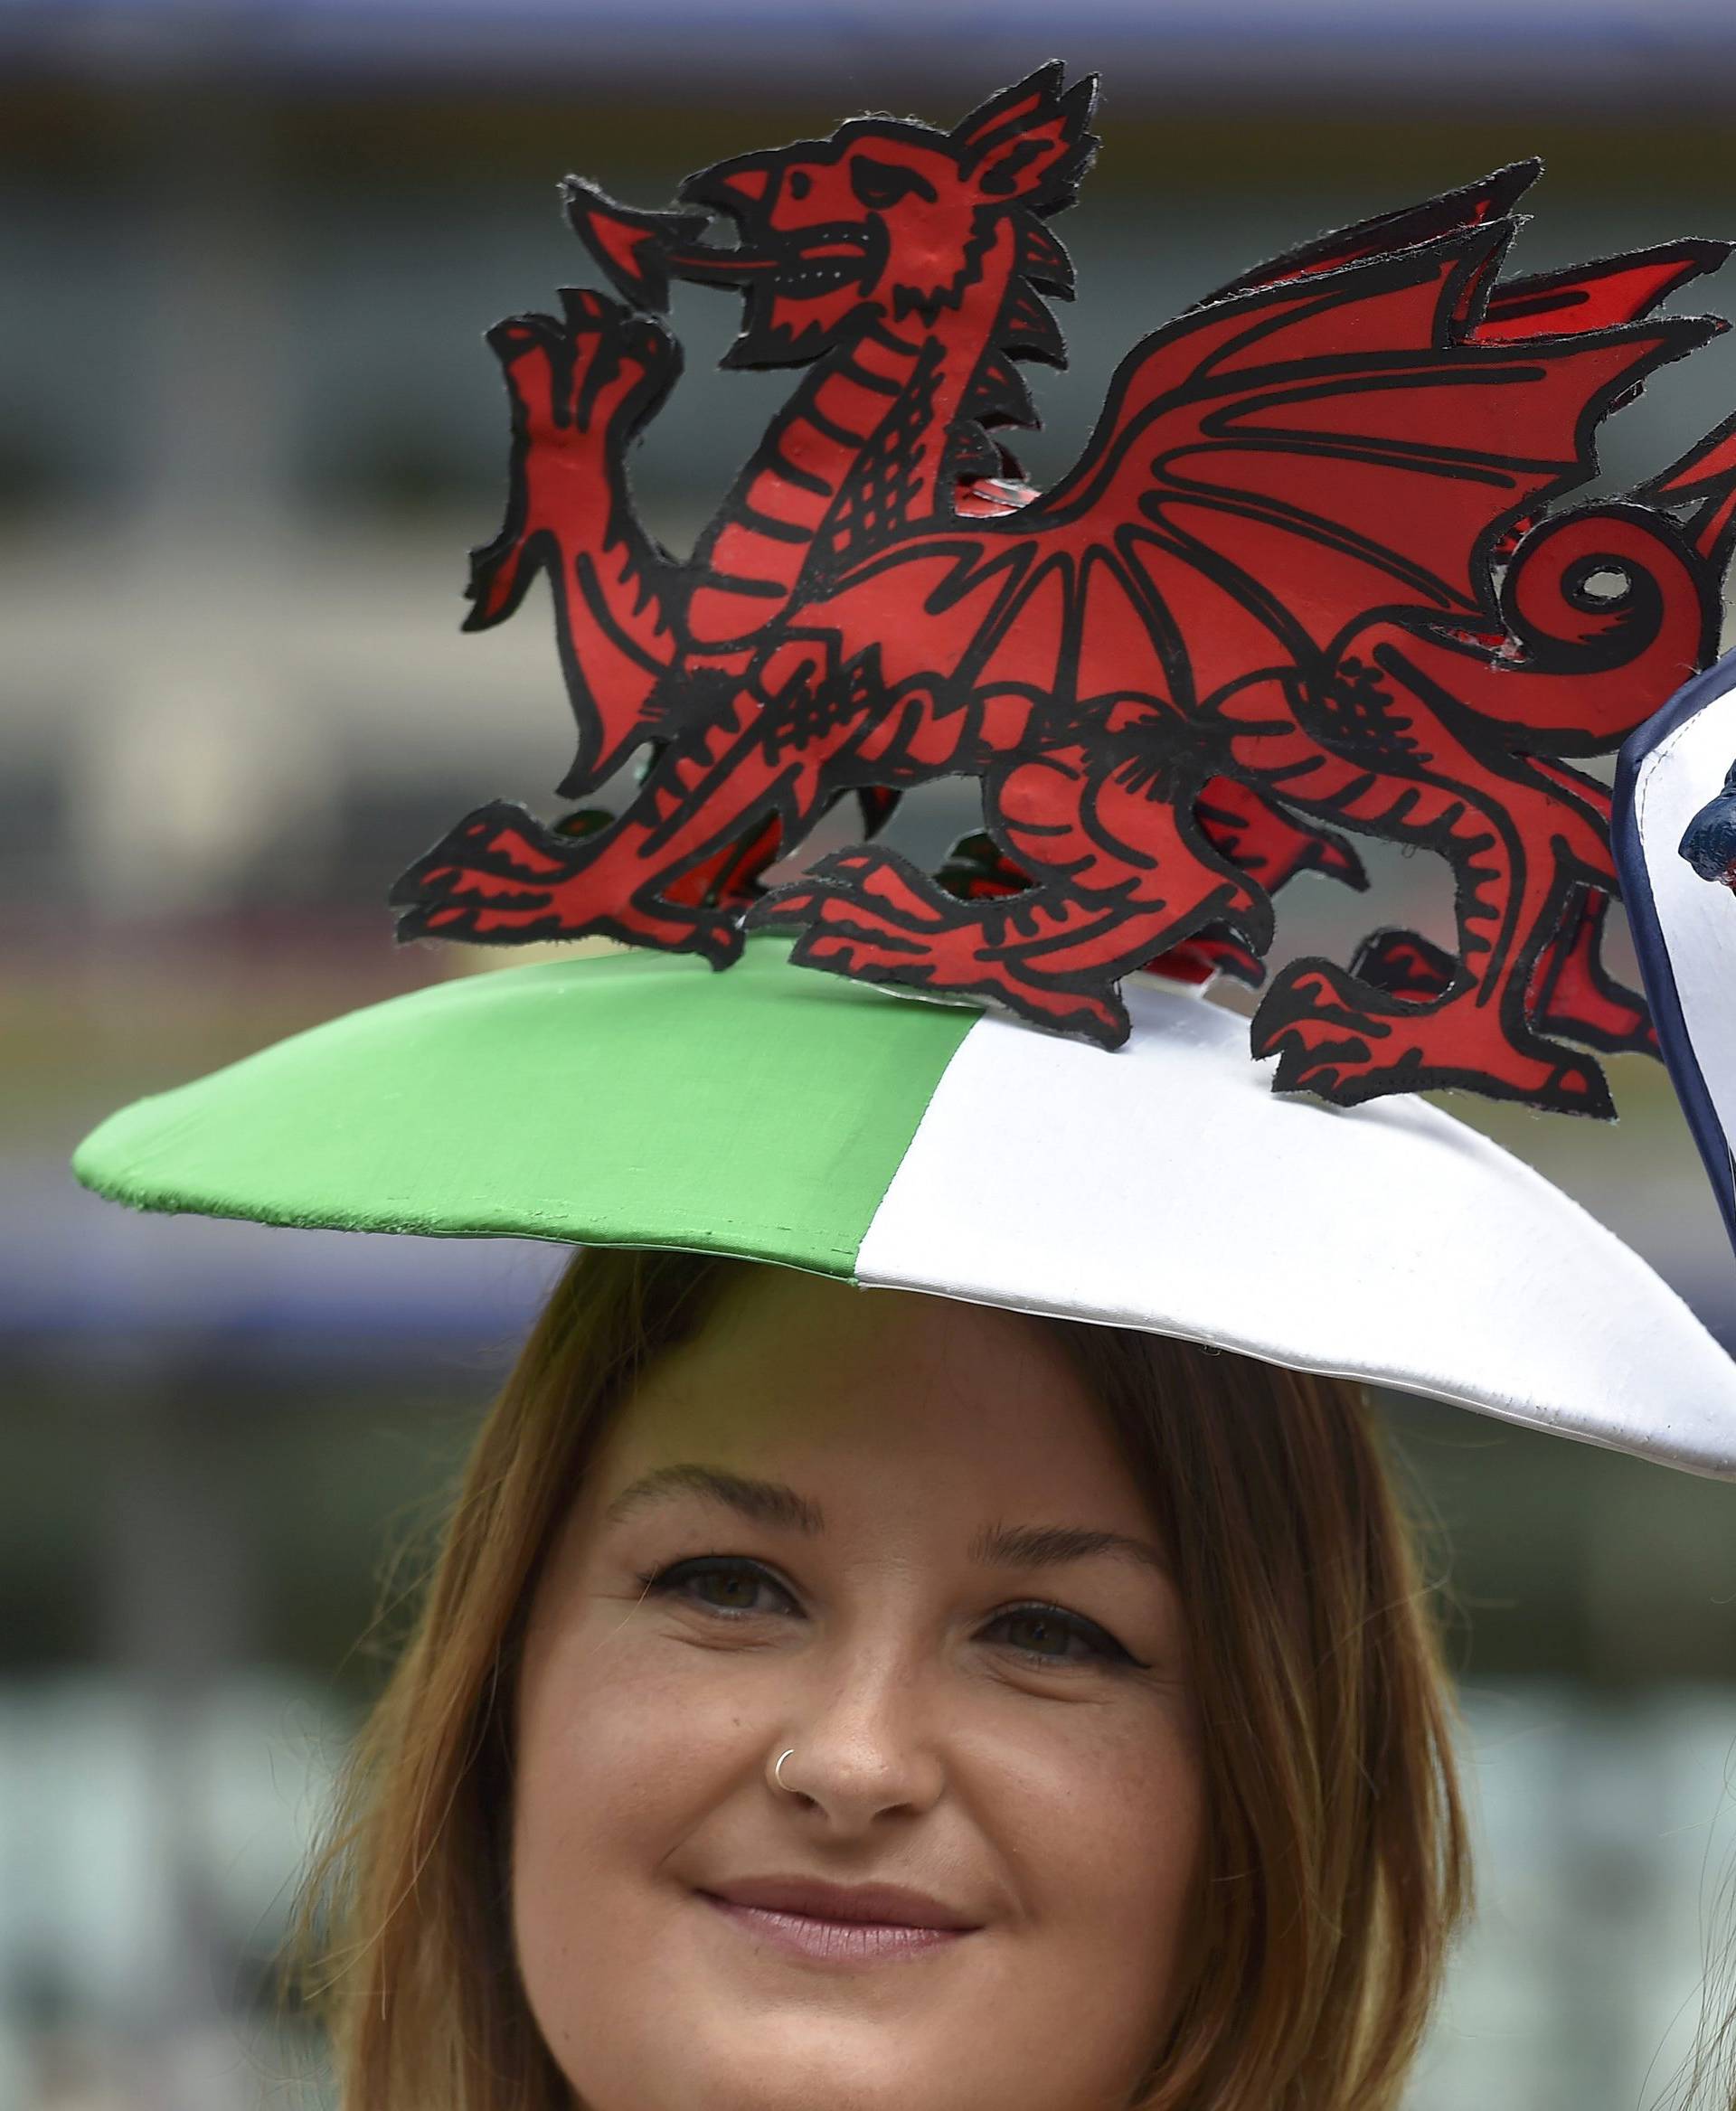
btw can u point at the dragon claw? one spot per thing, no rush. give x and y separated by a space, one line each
490 872
873 917
582 384
1346 1041
582 370
633 339
501 879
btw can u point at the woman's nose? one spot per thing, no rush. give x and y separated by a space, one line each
865 1742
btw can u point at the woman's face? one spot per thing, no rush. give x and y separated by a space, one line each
787 1544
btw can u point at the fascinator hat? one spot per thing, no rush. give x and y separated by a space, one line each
1319 573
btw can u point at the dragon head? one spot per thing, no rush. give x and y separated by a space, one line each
887 218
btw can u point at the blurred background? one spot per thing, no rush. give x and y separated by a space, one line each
247 429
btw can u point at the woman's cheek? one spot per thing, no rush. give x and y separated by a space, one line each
613 1741
1127 1829
622 1729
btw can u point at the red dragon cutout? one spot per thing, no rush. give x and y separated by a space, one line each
1309 576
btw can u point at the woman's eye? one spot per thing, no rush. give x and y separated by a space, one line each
719 1585
730 1588
1047 1634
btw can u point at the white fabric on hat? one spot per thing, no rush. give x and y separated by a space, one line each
1166 1187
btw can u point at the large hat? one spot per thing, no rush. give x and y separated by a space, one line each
639 1100
1312 575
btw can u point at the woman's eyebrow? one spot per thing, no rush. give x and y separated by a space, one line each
773 1502
1047 1546
765 1501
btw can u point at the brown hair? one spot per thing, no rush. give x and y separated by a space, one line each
1336 1859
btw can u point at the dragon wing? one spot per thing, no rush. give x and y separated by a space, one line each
1275 468
1353 429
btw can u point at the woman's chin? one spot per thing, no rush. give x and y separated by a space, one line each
792 2063
765 2027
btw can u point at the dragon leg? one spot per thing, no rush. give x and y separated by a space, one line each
1572 996
1395 768
582 386
1270 845
1573 992
1120 875
1250 830
673 872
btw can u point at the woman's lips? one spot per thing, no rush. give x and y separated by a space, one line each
834 1942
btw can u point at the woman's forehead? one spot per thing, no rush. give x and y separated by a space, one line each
813 1383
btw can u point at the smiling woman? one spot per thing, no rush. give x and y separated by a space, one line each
870 1700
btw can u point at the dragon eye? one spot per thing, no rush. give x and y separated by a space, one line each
800 182
881 183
